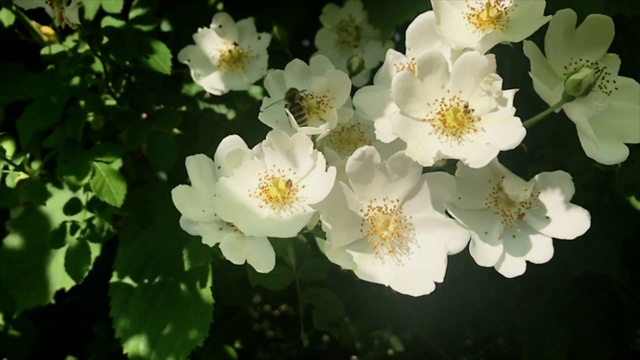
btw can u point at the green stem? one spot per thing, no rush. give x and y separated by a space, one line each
8 161
32 27
565 99
292 257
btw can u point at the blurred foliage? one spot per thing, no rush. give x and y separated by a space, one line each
95 124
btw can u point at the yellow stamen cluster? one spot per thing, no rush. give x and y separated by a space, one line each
347 139
232 57
492 15
509 210
452 118
406 65
277 190
316 106
348 33
386 228
605 84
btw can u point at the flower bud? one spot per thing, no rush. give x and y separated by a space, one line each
581 82
355 65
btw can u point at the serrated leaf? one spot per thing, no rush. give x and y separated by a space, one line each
108 184
156 56
277 279
112 6
165 319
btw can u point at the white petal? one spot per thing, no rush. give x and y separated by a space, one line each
559 218
256 251
191 204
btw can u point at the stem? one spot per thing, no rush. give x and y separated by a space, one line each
565 99
8 161
303 334
30 24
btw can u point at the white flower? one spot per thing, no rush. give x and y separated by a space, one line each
609 116
513 221
269 190
463 114
306 98
347 36
63 12
482 24
349 136
227 55
200 218
387 223
373 102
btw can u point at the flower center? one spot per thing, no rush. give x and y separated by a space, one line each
231 57
406 65
347 139
348 33
489 15
316 106
276 190
58 7
601 73
509 210
386 228
452 118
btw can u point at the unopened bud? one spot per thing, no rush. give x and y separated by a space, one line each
581 82
355 65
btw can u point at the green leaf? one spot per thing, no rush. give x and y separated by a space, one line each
6 17
34 190
314 269
90 9
156 56
77 259
31 270
40 115
279 278
108 184
165 319
112 6
389 15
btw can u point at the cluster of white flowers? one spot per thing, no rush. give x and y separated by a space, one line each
358 162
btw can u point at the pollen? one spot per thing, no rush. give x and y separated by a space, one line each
230 56
489 15
387 230
316 106
604 83
510 211
347 139
452 119
406 65
348 33
277 190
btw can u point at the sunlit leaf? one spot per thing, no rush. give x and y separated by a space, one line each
164 319
108 184
157 56
112 6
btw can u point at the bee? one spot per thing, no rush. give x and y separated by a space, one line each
294 104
